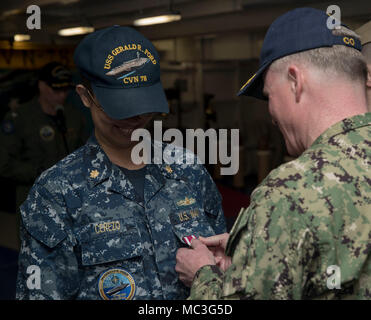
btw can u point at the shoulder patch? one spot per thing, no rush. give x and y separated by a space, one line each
7 127
116 284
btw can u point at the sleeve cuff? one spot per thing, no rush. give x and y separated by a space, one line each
207 283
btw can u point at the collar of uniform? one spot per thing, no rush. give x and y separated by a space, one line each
97 163
157 172
157 175
173 171
100 168
118 182
344 126
154 181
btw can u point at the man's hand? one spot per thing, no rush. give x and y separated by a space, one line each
217 244
188 261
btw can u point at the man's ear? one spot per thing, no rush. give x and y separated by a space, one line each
295 77
368 82
82 92
43 87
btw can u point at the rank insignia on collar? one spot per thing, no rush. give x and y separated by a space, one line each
186 202
168 169
47 133
94 174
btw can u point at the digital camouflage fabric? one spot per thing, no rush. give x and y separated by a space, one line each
307 215
91 237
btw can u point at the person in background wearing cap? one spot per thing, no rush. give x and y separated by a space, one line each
41 132
99 225
365 34
307 231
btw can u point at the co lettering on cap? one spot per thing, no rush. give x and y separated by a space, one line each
349 41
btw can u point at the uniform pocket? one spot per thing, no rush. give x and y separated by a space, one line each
109 241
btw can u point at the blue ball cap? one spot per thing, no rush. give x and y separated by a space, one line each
297 30
124 71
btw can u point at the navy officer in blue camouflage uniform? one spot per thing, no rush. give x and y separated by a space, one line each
98 226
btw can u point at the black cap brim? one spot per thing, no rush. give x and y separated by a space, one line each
255 85
124 103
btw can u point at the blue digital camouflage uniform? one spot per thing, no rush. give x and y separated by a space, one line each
83 219
307 216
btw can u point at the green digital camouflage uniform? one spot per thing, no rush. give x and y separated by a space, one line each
31 143
307 215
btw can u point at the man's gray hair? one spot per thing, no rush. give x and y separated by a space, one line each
366 51
338 60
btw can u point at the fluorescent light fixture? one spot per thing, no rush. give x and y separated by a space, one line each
22 37
67 32
11 12
157 19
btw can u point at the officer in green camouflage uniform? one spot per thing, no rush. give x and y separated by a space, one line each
32 139
307 231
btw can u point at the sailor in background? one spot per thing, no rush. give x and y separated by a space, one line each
40 132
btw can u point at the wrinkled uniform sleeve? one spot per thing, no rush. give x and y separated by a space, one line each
212 202
271 254
47 267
